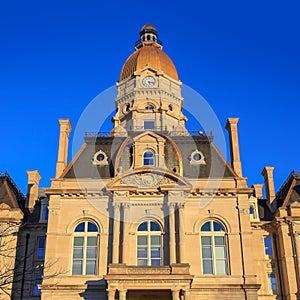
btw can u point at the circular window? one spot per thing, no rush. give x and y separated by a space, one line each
197 156
100 157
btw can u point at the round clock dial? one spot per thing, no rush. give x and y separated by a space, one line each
148 81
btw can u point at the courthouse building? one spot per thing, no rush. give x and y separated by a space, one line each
152 210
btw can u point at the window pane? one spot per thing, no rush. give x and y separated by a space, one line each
78 252
41 254
92 241
143 227
268 245
142 262
220 252
92 227
155 240
272 282
42 241
218 226
219 240
91 252
207 267
155 262
90 267
206 226
221 267
78 241
251 210
206 240
154 226
80 227
155 252
206 252
77 267
142 252
142 240
148 124
38 280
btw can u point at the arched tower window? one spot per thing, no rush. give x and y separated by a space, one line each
85 249
214 249
149 248
148 158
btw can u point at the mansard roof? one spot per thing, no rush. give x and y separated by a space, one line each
10 194
83 165
289 191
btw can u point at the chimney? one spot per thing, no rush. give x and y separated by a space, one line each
33 188
63 146
267 172
231 127
258 190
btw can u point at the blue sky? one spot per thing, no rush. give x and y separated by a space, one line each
241 56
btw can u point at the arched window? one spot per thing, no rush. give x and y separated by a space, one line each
149 246
85 249
213 249
148 158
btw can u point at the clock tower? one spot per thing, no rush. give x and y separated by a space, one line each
149 91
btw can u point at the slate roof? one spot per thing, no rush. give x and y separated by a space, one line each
9 192
289 191
215 165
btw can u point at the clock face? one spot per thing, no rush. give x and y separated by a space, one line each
148 81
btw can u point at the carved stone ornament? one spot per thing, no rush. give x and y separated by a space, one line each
146 180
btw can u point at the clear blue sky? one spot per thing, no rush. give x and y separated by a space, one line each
242 56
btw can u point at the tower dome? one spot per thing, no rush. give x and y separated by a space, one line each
148 53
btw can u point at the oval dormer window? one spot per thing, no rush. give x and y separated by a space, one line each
149 107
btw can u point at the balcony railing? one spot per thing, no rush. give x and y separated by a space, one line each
139 129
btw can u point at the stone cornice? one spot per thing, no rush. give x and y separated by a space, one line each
141 93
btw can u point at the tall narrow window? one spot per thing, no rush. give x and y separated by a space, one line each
272 283
149 158
214 249
85 249
268 246
41 248
149 244
38 278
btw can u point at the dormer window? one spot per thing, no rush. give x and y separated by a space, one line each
148 158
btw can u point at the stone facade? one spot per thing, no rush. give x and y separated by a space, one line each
153 212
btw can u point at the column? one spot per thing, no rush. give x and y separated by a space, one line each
187 295
126 223
111 294
116 233
297 250
175 295
122 294
181 233
172 233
